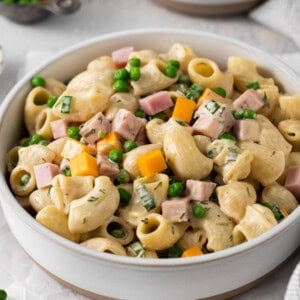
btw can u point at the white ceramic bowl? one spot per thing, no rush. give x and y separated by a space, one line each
219 273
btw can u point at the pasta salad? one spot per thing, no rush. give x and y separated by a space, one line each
159 155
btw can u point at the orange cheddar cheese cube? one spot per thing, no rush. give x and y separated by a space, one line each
193 251
151 163
84 164
209 94
73 147
184 109
109 142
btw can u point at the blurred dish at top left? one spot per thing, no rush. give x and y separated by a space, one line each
1 60
30 11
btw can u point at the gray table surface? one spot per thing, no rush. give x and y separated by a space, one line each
97 17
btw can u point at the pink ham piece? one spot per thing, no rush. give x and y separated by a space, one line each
247 130
292 182
175 210
214 118
141 138
156 103
44 174
120 57
91 128
127 125
107 167
199 190
59 128
249 99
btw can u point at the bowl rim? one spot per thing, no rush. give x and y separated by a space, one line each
27 219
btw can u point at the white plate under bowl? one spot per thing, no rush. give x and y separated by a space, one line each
210 7
221 273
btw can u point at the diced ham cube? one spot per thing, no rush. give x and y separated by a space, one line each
175 210
126 124
141 138
107 167
292 182
120 57
213 119
247 130
44 174
59 128
199 190
91 128
249 99
156 103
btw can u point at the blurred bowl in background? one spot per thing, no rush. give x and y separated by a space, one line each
29 13
210 7
1 60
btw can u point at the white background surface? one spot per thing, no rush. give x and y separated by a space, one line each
22 42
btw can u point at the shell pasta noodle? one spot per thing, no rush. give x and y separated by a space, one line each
159 155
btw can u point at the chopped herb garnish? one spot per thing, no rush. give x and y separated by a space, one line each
222 224
92 198
248 192
253 85
275 210
220 91
145 220
227 136
101 134
158 185
125 196
102 191
66 104
136 249
89 133
212 106
146 197
174 252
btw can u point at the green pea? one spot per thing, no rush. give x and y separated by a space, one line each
176 189
67 172
35 139
43 142
24 179
115 155
174 252
135 73
199 211
26 143
220 91
161 115
125 196
173 62
38 81
121 86
73 132
101 134
3 294
51 101
171 71
129 145
238 114
121 74
249 114
140 114
227 136
134 62
185 79
123 176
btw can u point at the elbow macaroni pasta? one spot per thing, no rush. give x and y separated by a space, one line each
111 207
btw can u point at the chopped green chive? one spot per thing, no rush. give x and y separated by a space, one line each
275 210
136 249
67 171
66 104
116 230
92 199
184 79
35 139
145 196
238 114
212 106
249 114
161 115
140 113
